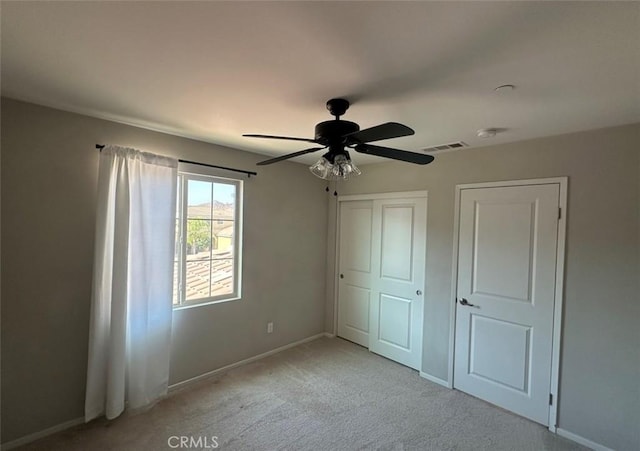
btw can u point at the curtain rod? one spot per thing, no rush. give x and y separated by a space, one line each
249 173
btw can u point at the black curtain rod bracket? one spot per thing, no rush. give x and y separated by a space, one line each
249 173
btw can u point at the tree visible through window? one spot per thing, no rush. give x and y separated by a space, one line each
206 265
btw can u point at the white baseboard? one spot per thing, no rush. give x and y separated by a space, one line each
437 380
329 335
581 440
180 385
38 435
68 424
561 432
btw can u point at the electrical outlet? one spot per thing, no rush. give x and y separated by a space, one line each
269 327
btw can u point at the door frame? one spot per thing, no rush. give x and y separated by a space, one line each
559 289
370 196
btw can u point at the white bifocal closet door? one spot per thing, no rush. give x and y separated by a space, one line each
381 276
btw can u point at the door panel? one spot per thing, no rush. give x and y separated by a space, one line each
397 242
356 311
394 321
502 261
398 265
508 363
506 271
357 235
354 284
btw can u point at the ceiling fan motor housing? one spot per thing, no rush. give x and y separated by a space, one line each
332 132
338 135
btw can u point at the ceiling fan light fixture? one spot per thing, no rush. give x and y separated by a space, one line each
321 168
344 168
341 168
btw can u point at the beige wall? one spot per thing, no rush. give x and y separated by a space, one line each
49 177
48 186
600 369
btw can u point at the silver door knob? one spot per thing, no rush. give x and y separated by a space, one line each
463 301
419 293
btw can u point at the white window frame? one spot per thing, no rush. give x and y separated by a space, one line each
191 173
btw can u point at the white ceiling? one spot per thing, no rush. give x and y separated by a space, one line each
215 70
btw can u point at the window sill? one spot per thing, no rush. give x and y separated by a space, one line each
203 303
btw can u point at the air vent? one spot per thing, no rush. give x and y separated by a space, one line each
446 147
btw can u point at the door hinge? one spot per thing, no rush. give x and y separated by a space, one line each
559 212
550 399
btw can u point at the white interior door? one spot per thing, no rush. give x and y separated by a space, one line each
354 284
399 240
381 276
507 276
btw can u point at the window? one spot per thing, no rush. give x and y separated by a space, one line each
207 250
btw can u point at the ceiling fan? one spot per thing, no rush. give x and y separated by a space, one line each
338 135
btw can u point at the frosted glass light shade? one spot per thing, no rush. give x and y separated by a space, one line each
322 168
342 168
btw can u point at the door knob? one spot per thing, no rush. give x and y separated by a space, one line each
463 301
342 276
419 293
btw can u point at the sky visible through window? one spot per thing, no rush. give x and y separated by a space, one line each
200 193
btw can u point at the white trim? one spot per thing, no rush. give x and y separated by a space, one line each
207 375
377 196
41 434
525 182
454 285
185 175
119 119
68 424
559 291
434 379
581 440
336 268
559 302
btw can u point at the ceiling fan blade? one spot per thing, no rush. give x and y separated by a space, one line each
290 155
394 154
289 138
383 131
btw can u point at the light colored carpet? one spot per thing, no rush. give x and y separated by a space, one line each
328 394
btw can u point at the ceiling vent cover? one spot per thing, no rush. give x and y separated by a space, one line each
446 147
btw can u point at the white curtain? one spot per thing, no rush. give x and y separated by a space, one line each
131 305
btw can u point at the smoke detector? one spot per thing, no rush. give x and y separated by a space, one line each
505 88
487 132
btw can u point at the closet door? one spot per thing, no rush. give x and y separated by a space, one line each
398 256
381 270
354 283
